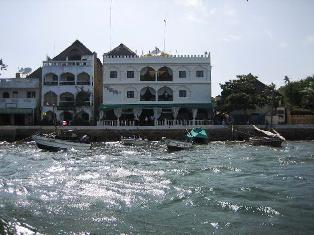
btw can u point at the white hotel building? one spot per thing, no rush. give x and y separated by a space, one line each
155 89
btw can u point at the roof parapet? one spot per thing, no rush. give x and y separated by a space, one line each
206 55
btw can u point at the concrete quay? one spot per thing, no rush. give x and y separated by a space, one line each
101 133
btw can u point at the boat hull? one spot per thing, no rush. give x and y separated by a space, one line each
135 142
273 142
52 144
175 145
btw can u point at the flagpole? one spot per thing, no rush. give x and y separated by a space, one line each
165 35
110 25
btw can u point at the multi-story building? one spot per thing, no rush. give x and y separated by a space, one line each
19 101
155 89
72 86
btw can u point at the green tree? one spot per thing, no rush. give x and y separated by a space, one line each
299 94
246 92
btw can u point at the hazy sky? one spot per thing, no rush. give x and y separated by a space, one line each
268 38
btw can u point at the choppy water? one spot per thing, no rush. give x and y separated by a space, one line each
220 188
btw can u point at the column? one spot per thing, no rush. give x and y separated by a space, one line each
194 115
118 113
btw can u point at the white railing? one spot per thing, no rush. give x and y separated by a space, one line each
84 63
115 124
18 103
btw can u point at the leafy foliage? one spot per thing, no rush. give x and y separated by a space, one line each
246 92
299 94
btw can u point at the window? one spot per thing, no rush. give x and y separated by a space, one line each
130 74
15 94
182 93
130 94
31 94
5 95
182 74
113 74
200 73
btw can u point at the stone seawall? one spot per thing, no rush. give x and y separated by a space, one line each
215 133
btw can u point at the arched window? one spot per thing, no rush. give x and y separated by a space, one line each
82 98
67 79
5 95
83 79
164 74
66 100
148 94
51 79
165 94
148 74
66 116
50 98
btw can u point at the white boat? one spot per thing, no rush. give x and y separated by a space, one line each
55 143
176 145
137 141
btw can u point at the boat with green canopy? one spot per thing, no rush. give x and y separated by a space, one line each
198 136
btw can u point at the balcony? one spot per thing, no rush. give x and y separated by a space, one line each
51 83
66 103
83 83
20 103
65 83
83 103
81 63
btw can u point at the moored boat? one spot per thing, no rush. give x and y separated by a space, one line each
198 136
136 141
269 138
64 141
176 145
267 141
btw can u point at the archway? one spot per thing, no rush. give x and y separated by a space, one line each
148 94
50 98
51 79
165 94
66 99
148 74
67 79
164 74
83 79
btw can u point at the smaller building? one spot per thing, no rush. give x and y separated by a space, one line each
19 101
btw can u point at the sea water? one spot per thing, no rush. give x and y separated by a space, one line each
220 188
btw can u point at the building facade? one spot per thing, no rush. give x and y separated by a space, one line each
19 101
155 89
71 86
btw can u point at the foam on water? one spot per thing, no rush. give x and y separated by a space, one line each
225 187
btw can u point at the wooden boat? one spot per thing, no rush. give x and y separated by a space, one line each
267 141
63 141
273 139
197 136
136 141
176 145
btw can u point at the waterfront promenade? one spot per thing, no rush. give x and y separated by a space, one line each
112 133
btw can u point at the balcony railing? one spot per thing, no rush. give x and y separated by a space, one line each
66 103
82 63
67 83
83 103
18 103
83 83
51 83
156 124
